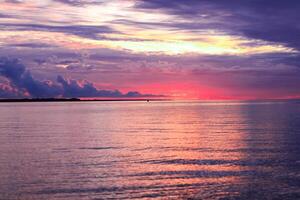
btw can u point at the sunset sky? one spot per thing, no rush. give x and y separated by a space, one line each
182 49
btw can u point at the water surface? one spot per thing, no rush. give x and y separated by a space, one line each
174 150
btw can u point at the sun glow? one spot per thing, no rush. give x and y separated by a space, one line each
230 46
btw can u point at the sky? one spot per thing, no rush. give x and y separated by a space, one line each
181 49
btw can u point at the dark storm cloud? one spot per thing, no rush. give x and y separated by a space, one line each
87 31
22 79
71 88
22 82
269 20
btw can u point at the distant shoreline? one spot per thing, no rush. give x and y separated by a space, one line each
71 100
136 100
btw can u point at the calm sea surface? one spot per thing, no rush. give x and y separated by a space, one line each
162 150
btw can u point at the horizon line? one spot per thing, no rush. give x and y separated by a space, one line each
75 99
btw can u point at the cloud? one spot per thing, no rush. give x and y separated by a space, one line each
72 88
21 79
22 83
32 45
8 92
87 31
80 2
4 16
68 2
13 1
269 20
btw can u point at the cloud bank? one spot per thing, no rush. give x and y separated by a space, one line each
21 83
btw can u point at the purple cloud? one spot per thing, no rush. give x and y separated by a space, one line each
87 31
21 82
274 21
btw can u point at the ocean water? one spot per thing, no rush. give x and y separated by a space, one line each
155 150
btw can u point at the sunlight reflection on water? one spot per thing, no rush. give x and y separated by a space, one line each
119 150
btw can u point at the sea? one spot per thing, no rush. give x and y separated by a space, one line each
150 150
